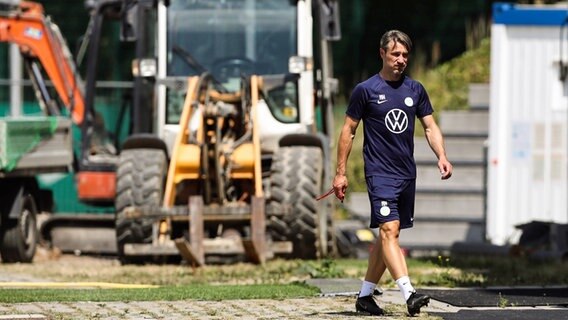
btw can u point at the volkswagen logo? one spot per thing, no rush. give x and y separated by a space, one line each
396 121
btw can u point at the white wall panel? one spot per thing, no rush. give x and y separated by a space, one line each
527 136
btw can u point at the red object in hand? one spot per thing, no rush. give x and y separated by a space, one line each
329 192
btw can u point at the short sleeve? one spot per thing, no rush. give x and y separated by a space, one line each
357 102
424 106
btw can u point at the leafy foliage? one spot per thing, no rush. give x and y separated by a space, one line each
448 83
323 269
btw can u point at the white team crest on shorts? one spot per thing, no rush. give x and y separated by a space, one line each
408 102
385 210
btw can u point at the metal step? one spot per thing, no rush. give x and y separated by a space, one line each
457 149
428 205
463 178
449 206
440 219
464 122
440 235
478 96
357 203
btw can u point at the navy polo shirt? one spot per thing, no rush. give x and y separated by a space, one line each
388 110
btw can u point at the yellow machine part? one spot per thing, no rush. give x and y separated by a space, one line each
255 85
243 160
184 162
186 157
188 160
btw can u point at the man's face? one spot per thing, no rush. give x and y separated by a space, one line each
395 58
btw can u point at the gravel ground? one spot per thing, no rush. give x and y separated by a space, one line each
339 307
333 304
52 266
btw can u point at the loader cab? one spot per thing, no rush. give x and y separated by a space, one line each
238 88
232 40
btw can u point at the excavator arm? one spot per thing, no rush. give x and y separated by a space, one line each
26 25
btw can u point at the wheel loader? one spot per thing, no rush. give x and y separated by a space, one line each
239 97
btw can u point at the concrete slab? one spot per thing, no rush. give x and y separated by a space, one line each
502 296
336 287
500 314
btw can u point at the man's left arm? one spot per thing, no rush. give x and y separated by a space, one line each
436 142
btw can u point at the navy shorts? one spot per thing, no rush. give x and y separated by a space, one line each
391 199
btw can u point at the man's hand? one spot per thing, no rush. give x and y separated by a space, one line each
340 186
446 168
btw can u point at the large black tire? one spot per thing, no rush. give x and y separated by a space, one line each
19 236
296 179
139 182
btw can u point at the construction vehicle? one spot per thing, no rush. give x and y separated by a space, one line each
257 99
243 127
32 146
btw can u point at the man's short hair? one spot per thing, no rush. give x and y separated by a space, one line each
396 36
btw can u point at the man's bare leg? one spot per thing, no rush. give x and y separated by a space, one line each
384 251
396 264
393 257
375 269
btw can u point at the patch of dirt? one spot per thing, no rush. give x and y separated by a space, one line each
52 265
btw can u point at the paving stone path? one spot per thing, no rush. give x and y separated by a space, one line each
332 307
313 308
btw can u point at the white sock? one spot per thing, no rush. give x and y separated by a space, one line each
405 287
367 288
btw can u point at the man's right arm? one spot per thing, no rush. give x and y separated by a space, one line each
344 146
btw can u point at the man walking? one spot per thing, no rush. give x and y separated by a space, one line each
388 104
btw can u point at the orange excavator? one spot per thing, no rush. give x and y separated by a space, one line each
40 41
43 48
48 138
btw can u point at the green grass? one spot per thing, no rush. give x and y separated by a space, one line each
471 271
278 279
503 271
169 293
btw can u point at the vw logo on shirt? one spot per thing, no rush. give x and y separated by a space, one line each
396 121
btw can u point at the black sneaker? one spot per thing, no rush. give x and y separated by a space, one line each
368 305
416 301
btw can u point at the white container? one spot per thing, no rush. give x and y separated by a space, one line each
528 143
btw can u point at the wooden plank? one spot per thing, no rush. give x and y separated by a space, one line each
281 247
144 249
187 253
196 228
217 246
255 247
